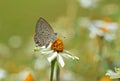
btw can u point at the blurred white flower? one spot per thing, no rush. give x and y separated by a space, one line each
40 63
114 75
15 41
68 76
103 28
3 74
88 3
56 50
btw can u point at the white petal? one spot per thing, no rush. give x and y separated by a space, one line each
42 47
98 23
46 51
112 26
109 37
75 57
65 51
113 75
68 55
52 56
60 60
49 46
117 70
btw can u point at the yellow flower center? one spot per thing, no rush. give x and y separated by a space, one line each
57 45
104 29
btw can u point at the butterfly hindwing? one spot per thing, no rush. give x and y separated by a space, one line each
44 33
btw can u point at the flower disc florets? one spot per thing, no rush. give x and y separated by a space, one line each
57 45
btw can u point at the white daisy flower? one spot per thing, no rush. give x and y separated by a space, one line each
105 29
114 75
56 50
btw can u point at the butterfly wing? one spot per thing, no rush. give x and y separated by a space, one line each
44 33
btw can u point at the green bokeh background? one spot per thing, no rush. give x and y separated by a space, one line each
18 18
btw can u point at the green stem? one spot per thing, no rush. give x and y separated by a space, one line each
101 44
98 69
52 69
57 72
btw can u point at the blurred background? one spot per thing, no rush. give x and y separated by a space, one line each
70 19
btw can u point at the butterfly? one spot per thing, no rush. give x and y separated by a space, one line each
44 34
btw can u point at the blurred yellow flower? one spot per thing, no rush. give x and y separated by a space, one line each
29 77
105 78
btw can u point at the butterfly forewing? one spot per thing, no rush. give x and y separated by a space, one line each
44 33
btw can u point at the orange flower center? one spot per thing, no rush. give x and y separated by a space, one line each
107 19
29 77
105 78
57 45
104 29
